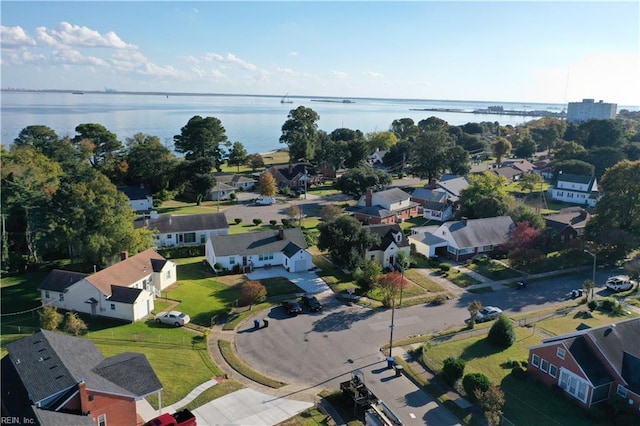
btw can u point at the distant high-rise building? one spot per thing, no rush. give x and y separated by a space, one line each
588 109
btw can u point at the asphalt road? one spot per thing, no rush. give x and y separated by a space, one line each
322 349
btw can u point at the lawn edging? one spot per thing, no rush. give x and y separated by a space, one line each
238 365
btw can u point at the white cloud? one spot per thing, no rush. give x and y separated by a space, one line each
70 35
339 75
374 74
15 37
292 54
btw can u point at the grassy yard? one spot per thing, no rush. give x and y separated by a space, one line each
280 286
423 281
493 270
460 279
182 208
580 320
338 280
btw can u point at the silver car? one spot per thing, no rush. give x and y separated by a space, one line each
488 313
173 318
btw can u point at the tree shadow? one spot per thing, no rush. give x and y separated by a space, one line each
341 320
480 349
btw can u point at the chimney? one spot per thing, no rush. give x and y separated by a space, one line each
281 233
432 184
368 197
124 255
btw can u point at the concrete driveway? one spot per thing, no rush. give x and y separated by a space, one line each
308 281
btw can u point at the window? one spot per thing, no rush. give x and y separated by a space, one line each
170 236
544 366
102 420
232 260
573 385
61 297
560 353
190 237
46 294
373 256
90 397
113 306
553 370
535 360
169 274
621 391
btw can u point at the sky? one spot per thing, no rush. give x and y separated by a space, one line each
537 51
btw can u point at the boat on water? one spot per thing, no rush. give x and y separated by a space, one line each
77 93
285 99
336 101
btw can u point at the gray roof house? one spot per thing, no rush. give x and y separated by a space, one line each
236 181
283 247
140 197
392 241
57 379
389 206
180 230
575 189
437 204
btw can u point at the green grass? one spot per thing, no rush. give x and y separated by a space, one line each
323 190
234 321
423 281
238 365
244 227
460 279
578 321
279 286
221 389
20 292
338 280
493 270
183 208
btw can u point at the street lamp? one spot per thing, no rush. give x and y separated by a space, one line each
594 271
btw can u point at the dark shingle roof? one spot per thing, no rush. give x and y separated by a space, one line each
393 195
387 235
592 366
167 223
56 418
256 242
291 249
567 177
59 280
124 294
453 185
430 195
373 211
480 232
135 192
575 217
130 371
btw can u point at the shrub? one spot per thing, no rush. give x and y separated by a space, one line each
257 221
475 381
453 370
273 222
286 222
440 299
608 304
50 318
592 305
233 196
444 267
218 266
252 292
73 324
502 333
237 220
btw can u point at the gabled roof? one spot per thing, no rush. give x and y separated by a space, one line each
257 242
166 223
221 187
56 418
59 280
575 217
392 195
480 232
231 178
124 294
135 192
387 233
49 363
430 195
454 185
567 177
373 211
126 272
591 365
292 171
507 172
130 371
291 250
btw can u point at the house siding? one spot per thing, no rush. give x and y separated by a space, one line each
173 239
119 410
301 255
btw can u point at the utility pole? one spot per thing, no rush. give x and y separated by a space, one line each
594 272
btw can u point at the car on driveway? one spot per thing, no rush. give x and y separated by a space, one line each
292 307
311 303
619 283
173 318
488 313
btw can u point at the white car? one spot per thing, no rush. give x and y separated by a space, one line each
619 283
173 318
488 313
265 201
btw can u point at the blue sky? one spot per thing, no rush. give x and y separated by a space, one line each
505 51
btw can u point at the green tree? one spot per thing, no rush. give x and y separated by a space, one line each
267 184
388 285
103 148
453 369
300 133
238 155
486 196
73 324
433 124
404 128
502 333
458 161
50 318
574 167
524 145
491 400
150 162
356 181
475 381
202 138
430 154
330 211
605 157
346 240
252 292
381 141
570 151
45 140
501 148
255 161
531 181
524 213
596 133
367 274
198 177
474 308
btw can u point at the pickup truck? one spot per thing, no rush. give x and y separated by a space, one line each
179 418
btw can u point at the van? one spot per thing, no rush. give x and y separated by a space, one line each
265 201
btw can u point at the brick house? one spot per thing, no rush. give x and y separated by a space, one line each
389 206
568 224
592 365
294 176
51 378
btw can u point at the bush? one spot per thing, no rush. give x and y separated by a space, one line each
233 196
502 333
608 304
475 381
440 299
257 221
286 222
273 222
237 220
182 252
453 370
444 267
592 305
73 324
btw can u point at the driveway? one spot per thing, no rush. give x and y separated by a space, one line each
308 281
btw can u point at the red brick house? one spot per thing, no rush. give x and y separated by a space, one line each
592 365
53 378
389 206
568 224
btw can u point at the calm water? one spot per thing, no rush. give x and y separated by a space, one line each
255 121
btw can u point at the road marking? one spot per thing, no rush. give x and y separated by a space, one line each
413 416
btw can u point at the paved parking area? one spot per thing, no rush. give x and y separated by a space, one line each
308 281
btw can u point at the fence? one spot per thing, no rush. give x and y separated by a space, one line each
460 335
531 320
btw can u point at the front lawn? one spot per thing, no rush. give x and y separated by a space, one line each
580 320
280 286
337 279
423 281
493 270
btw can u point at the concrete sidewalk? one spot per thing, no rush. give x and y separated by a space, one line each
308 281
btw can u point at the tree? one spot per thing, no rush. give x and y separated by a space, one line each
202 138
433 124
150 162
601 133
74 324
106 145
330 211
458 161
388 285
267 184
632 267
430 154
300 133
531 181
525 236
588 286
605 157
237 155
252 292
570 151
294 213
524 147
486 196
255 161
45 140
524 213
545 137
381 141
453 369
501 148
356 181
502 333
475 381
474 308
368 273
346 240
492 400
50 318
404 128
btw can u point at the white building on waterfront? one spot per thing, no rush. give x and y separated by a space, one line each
588 109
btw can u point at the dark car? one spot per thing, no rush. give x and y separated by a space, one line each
292 307
311 303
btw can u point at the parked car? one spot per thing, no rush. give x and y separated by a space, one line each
265 201
311 303
173 318
576 293
179 418
292 307
488 313
619 283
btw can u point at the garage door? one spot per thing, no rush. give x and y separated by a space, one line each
300 265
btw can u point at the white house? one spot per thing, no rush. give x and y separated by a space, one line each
464 239
575 189
124 291
221 191
426 242
392 241
184 229
437 204
283 247
140 197
236 181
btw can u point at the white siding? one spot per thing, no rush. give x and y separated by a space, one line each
178 238
167 276
300 262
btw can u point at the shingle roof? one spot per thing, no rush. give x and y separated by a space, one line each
125 272
291 249
387 236
373 211
392 195
592 366
507 171
59 280
135 192
222 186
256 242
228 177
454 185
124 294
167 223
56 418
567 177
430 195
480 232
575 217
130 371
292 171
